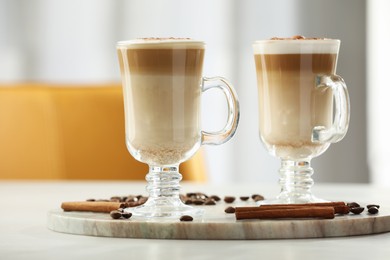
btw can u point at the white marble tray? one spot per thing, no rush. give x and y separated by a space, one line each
216 224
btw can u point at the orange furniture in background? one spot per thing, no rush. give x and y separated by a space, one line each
70 132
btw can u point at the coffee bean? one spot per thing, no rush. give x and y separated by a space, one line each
124 205
373 205
210 201
215 198
115 214
186 218
230 210
142 200
353 205
356 210
197 195
198 202
115 199
127 215
373 210
188 201
201 195
255 195
229 199
130 199
132 204
139 197
244 198
258 198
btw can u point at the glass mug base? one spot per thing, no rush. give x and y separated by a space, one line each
166 208
296 182
286 198
164 195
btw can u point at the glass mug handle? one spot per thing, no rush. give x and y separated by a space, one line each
230 128
341 114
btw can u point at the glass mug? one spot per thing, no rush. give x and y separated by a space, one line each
162 86
303 108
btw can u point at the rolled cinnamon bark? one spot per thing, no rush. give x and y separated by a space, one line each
278 213
92 206
339 207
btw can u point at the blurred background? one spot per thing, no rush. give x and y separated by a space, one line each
71 41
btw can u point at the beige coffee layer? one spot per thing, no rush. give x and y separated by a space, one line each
163 115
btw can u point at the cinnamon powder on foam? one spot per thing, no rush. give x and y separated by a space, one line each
298 37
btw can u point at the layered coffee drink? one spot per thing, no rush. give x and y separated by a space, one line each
290 103
162 90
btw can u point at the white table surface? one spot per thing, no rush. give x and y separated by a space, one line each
24 235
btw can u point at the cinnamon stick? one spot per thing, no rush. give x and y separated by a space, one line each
330 203
279 213
339 206
92 206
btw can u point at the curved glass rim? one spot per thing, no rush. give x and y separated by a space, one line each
160 42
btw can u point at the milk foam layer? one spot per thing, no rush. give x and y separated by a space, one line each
169 43
291 46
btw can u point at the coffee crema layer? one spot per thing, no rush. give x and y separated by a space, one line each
159 61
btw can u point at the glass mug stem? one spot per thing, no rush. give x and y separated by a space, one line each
163 181
296 182
164 194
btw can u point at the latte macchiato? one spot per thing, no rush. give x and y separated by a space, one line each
290 104
162 89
